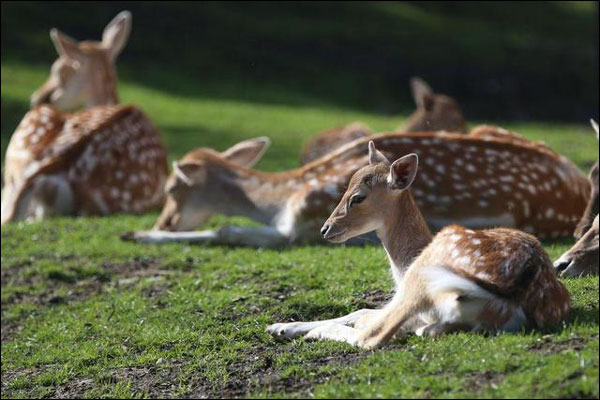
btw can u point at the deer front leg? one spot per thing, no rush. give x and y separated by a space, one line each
160 237
292 330
228 235
265 236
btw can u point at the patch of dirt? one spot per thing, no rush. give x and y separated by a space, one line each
479 381
252 372
50 292
155 381
256 372
374 298
123 274
546 345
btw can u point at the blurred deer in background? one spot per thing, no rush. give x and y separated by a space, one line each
582 258
105 159
464 180
435 112
489 280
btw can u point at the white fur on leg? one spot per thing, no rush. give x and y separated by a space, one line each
293 330
337 332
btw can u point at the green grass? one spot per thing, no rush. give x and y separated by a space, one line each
84 314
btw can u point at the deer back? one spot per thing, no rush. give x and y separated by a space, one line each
111 156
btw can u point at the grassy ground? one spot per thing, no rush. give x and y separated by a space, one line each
84 314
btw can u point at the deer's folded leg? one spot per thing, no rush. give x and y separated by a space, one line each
292 330
169 237
264 236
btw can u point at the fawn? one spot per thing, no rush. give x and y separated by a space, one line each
582 258
488 280
105 159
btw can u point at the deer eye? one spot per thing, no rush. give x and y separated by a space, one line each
357 199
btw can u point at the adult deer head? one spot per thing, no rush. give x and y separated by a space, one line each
84 73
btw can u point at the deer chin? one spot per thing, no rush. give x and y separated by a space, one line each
337 237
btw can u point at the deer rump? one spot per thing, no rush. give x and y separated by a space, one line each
87 148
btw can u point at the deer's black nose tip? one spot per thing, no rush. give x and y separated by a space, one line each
324 229
561 265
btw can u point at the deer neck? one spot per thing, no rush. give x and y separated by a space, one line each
404 234
104 85
257 195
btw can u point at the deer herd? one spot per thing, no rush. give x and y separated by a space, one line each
489 193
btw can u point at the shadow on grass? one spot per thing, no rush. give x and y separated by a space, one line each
581 315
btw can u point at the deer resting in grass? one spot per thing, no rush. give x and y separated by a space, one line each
435 112
487 280
582 258
105 159
469 181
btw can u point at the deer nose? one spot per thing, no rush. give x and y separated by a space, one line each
325 229
562 264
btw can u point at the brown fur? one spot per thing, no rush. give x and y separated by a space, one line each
107 159
545 194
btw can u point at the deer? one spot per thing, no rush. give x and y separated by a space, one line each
458 280
435 112
582 258
107 158
464 180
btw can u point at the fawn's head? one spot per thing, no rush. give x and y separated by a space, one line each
84 73
593 203
434 111
203 183
372 193
582 258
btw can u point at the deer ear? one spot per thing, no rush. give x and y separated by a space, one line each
248 152
422 93
65 45
595 126
188 172
116 33
403 172
375 156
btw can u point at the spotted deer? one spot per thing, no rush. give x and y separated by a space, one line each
487 280
435 112
105 159
582 258
477 183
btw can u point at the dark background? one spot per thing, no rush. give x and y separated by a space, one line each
501 60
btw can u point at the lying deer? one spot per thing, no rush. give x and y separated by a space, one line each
106 159
435 112
474 182
488 280
582 258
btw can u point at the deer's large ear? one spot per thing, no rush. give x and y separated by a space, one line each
422 93
116 33
248 152
595 126
65 45
375 156
403 172
189 172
